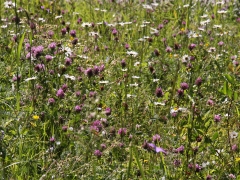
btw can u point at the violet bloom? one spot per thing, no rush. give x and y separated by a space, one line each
184 86
51 101
210 102
180 93
73 33
127 46
179 150
50 34
198 168
89 72
234 147
217 118
209 177
64 87
198 81
52 46
96 70
108 111
64 128
122 131
114 32
153 147
37 51
156 138
75 41
48 58
64 31
177 163
191 46
39 67
78 108
60 93
96 126
160 26
159 92
68 61
98 153
220 43
168 49
123 63
92 94
52 139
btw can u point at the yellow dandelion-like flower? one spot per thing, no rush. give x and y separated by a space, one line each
237 159
35 117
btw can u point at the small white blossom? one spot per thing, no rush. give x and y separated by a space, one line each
29 79
233 134
132 53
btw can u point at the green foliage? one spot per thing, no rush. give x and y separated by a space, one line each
119 90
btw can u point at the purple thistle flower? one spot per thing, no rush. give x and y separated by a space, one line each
156 138
221 43
52 139
96 126
177 163
37 51
89 72
103 146
68 61
184 86
234 147
209 177
92 94
50 34
78 108
198 81
122 131
153 147
73 33
96 70
179 150
60 93
159 92
64 128
64 31
98 153
64 87
160 26
127 46
217 118
75 41
108 111
51 101
114 32
180 92
52 46
48 58
210 102
39 67
168 49
191 46
198 168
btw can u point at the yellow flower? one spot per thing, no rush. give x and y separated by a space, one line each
35 117
237 159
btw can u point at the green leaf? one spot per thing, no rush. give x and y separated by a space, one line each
20 47
235 96
229 78
225 88
215 136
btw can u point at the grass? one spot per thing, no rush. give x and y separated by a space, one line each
119 90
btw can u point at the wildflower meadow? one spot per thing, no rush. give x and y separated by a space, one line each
119 89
